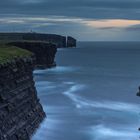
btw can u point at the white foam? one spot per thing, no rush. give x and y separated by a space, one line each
70 93
112 105
40 71
101 132
69 83
73 89
49 126
57 69
61 69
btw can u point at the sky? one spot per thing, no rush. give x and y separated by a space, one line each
86 20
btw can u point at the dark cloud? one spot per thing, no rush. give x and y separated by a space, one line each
97 9
70 17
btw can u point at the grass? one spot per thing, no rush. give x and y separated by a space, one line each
8 53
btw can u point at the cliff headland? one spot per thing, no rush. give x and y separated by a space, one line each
44 52
58 40
20 110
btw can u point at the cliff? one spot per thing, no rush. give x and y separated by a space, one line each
20 110
58 40
71 42
44 52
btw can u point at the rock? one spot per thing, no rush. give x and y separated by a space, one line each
138 93
44 52
20 110
59 40
71 42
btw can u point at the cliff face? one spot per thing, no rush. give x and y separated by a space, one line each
20 110
71 42
58 40
44 52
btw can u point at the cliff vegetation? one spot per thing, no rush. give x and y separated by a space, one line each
7 53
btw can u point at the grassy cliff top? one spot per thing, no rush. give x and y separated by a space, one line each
8 53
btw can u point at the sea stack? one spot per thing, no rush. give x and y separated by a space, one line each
138 93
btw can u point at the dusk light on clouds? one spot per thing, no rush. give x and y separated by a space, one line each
83 19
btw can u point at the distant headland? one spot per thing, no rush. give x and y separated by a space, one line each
59 40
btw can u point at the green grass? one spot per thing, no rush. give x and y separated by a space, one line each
8 53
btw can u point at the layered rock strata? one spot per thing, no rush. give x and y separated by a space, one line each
44 52
20 110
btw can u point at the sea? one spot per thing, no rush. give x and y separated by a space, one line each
91 93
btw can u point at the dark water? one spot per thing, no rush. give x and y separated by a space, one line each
91 94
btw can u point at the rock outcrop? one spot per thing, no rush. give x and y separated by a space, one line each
138 93
20 110
44 52
71 42
58 40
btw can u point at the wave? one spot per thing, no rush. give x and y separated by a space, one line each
111 105
101 132
49 128
35 72
59 69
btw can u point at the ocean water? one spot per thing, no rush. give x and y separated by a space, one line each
91 94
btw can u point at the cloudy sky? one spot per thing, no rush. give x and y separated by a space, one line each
91 20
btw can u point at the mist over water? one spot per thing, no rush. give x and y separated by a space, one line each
91 94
